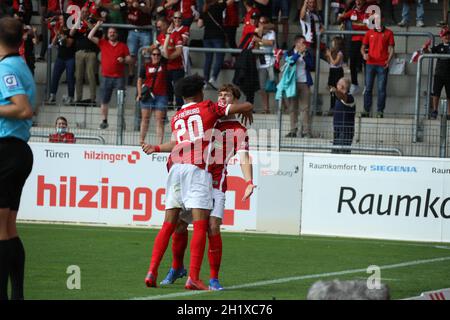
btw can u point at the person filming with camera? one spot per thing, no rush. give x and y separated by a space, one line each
152 93
65 61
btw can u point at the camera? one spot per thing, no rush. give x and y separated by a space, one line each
61 41
146 93
123 6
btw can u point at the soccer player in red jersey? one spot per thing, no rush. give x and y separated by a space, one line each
189 184
234 141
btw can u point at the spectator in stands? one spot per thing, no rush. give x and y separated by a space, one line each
310 23
117 10
139 14
48 10
114 56
405 13
346 290
441 73
62 134
24 9
444 21
264 7
343 116
85 59
377 50
357 15
280 13
171 45
183 31
166 9
26 50
152 94
266 40
335 58
65 61
303 60
214 37
230 25
188 10
250 10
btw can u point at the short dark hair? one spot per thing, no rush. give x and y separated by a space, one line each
231 88
11 31
298 37
190 86
61 118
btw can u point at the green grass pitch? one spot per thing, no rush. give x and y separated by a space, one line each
114 262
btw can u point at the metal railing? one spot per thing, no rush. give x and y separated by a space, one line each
340 32
91 138
431 56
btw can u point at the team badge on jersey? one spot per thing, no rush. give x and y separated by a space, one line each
10 81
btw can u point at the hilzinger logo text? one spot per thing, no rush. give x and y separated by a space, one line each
68 193
132 157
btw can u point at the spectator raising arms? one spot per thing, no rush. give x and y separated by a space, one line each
62 135
214 37
85 59
357 16
65 61
335 58
152 94
139 14
343 116
266 40
171 46
114 56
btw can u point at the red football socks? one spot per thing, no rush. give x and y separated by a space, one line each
198 243
215 255
160 246
179 244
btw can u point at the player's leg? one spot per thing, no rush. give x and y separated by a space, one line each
215 239
173 208
198 244
4 253
179 244
17 256
160 245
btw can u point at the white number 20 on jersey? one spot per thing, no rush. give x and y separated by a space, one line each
180 126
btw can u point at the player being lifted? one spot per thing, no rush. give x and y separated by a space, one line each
234 140
189 184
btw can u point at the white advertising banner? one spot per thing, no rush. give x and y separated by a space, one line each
376 197
113 185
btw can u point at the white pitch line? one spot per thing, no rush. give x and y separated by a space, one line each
297 278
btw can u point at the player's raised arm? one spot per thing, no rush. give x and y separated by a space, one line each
165 147
243 107
247 172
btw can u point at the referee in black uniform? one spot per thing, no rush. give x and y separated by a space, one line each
17 91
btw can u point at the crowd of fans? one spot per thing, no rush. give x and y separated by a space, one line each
79 42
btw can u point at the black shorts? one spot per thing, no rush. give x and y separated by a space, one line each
439 83
16 161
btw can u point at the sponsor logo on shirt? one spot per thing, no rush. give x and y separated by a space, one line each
10 81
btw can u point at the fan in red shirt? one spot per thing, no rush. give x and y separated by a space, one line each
114 56
62 135
248 32
188 184
152 94
23 8
171 46
358 17
250 10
